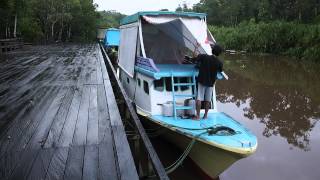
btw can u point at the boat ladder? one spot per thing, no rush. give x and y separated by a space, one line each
175 96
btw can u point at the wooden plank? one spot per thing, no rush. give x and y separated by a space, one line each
37 138
90 163
124 157
107 161
57 126
25 162
57 165
93 74
103 114
115 118
80 134
127 169
41 164
67 133
92 135
18 130
74 166
28 129
42 131
8 162
99 72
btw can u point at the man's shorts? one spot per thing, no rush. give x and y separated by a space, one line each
204 93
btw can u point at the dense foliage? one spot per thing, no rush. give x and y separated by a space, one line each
232 12
109 19
48 20
290 27
289 38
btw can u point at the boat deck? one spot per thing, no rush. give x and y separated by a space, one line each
59 118
243 140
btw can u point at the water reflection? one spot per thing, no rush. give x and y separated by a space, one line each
281 94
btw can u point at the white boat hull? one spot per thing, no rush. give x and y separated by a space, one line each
211 160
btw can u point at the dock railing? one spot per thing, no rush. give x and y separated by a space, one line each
7 45
154 165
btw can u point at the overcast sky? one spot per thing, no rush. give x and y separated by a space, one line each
132 6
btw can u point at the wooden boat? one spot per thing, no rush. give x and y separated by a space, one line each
151 70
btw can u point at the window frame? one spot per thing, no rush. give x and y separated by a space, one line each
146 87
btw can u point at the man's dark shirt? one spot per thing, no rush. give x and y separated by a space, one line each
208 68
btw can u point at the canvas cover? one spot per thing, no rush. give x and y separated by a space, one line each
167 38
128 45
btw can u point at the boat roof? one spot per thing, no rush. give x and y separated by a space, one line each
135 17
166 70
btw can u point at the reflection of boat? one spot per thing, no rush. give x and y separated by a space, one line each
152 48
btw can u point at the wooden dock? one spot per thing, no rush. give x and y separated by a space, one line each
59 118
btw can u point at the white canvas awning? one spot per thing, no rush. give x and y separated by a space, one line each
128 45
192 31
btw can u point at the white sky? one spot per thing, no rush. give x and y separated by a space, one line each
129 7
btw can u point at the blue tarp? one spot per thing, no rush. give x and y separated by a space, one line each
112 37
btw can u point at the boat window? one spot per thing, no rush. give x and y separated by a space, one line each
169 85
139 82
146 87
158 85
184 80
128 81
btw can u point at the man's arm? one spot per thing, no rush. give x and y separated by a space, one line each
220 69
219 66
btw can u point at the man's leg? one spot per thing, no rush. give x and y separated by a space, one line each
206 109
198 107
207 100
200 97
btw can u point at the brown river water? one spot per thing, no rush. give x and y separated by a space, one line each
278 99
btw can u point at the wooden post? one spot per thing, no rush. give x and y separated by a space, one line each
150 167
15 25
138 154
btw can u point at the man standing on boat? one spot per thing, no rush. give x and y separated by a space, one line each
209 66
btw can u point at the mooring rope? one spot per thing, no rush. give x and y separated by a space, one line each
208 130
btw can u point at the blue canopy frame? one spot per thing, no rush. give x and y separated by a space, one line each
135 17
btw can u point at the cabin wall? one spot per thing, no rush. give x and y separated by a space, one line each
164 96
143 99
136 92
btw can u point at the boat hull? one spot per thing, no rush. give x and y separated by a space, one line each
211 160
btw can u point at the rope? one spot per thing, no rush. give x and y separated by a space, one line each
180 160
208 130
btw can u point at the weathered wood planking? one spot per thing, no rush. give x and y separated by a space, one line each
124 158
67 125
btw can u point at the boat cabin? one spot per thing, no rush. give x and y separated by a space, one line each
153 46
112 38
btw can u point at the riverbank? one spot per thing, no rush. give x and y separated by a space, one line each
285 38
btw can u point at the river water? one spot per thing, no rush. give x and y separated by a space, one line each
278 99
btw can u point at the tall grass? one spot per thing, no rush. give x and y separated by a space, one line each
288 38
